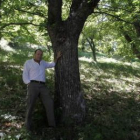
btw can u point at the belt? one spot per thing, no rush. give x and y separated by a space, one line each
34 81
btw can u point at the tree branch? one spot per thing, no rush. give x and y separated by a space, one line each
54 11
32 13
82 8
83 4
75 5
29 33
9 24
115 9
115 16
79 12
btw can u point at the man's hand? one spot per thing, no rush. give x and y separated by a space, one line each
59 54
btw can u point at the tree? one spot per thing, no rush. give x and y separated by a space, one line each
64 36
89 35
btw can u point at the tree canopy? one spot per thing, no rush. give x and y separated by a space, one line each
118 21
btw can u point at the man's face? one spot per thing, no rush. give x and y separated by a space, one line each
38 55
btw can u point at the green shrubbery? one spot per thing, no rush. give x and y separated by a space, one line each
112 96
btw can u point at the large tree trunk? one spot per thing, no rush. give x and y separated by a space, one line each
68 96
68 86
64 37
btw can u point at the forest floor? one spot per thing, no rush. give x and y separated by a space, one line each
111 89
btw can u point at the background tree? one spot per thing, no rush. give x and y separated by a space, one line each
89 35
121 19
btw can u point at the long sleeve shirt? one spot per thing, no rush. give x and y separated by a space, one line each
35 71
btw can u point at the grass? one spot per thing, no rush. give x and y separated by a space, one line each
112 97
112 93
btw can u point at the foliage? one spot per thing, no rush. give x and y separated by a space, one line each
27 24
112 21
107 26
111 91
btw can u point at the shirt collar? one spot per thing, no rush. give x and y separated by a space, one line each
36 62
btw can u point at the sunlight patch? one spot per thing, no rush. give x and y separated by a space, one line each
4 45
2 135
85 59
8 117
108 60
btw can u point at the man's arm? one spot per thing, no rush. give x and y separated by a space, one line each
25 75
51 65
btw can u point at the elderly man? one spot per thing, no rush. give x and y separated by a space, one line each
34 77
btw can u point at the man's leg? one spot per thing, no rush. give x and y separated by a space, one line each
48 103
32 94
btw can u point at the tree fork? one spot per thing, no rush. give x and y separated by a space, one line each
64 37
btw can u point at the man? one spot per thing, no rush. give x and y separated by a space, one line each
34 77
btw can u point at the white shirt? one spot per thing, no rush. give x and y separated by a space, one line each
35 71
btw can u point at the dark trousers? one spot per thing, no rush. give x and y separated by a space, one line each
34 91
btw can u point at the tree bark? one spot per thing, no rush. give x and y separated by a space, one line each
68 94
64 37
133 46
137 28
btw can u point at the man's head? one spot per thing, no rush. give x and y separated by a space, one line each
38 55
